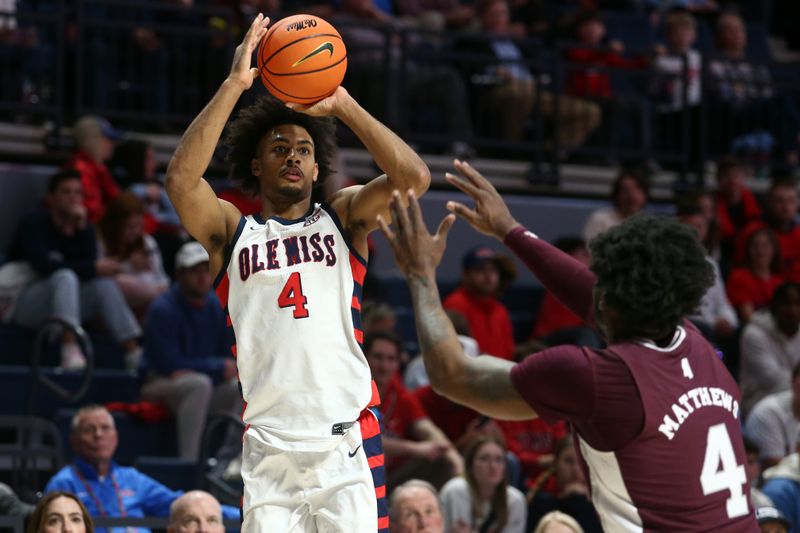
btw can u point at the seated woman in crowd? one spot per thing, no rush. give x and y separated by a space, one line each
563 488
750 287
60 511
142 278
483 499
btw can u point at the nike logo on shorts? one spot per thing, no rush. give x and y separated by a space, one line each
354 452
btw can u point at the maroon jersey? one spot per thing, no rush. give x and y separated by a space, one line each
658 427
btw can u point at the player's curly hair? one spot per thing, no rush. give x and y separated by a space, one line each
652 272
252 123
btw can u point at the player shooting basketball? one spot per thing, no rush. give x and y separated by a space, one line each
656 413
291 280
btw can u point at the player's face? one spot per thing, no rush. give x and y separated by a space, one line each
95 439
418 512
384 361
63 515
489 465
482 280
285 163
200 514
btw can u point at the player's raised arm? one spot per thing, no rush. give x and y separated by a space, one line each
568 279
403 168
482 383
208 219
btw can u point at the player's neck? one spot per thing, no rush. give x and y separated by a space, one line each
284 209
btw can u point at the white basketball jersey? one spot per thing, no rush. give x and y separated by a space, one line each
292 290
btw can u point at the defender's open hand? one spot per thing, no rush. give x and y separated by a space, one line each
490 215
416 251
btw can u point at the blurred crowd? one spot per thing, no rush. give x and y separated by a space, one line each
106 249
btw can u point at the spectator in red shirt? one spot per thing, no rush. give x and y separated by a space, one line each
94 138
555 323
780 217
750 288
533 442
736 205
476 299
414 446
595 80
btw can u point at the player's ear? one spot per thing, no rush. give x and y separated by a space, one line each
316 173
255 167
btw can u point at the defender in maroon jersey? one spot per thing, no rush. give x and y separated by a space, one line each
656 413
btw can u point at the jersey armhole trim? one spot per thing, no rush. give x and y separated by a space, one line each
332 213
229 251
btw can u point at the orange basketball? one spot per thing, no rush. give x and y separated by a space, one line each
302 59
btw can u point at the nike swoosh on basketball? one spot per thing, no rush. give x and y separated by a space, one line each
354 452
327 45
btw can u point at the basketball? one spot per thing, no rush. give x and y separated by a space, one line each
302 59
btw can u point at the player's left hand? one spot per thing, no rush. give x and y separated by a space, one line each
416 251
327 107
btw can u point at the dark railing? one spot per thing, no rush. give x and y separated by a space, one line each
153 66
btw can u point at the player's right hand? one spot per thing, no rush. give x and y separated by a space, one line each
241 71
490 215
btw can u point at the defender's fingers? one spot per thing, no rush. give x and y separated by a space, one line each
472 175
386 230
462 184
463 211
444 227
415 213
399 214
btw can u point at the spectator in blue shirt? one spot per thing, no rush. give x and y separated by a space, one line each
104 487
187 347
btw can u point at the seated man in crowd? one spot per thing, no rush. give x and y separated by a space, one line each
782 486
770 347
195 511
94 140
187 346
413 445
104 487
774 422
72 283
414 506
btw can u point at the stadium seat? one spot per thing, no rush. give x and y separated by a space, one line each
16 388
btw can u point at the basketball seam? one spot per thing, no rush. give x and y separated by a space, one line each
312 98
307 71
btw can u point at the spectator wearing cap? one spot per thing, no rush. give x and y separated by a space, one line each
629 194
187 348
476 299
94 142
771 520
